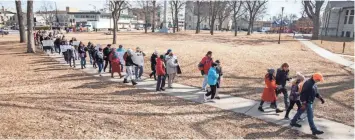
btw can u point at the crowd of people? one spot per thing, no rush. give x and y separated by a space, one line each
166 66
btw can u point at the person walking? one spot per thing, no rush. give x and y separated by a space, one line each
308 94
99 59
212 81
204 67
269 93
139 69
295 93
107 51
82 55
219 80
121 53
71 54
57 44
115 63
281 79
160 72
153 63
171 68
91 50
129 67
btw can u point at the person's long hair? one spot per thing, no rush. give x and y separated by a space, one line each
270 76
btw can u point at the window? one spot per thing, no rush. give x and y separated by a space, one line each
342 34
347 12
348 34
352 12
345 19
87 16
351 19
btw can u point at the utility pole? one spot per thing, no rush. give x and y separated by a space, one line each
282 12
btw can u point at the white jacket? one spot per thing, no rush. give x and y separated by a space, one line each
171 65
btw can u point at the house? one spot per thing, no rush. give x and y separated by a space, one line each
170 16
338 19
7 18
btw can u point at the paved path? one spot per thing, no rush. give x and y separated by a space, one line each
325 53
333 130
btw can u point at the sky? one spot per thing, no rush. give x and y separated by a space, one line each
273 6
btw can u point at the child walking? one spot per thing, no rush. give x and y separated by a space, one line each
220 73
269 93
295 93
212 81
160 71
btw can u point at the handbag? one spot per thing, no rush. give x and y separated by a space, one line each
178 69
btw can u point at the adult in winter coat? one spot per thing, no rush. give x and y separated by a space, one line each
153 63
99 59
212 81
57 44
171 68
139 69
281 78
308 94
269 93
129 67
115 63
220 75
107 51
204 66
160 72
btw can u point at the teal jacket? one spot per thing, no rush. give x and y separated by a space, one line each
120 50
212 76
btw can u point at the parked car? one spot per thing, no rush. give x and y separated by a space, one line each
4 32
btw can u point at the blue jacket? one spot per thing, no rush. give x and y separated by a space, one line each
212 76
309 91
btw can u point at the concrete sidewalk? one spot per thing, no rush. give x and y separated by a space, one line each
325 53
333 130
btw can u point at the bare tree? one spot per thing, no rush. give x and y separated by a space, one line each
223 12
253 8
154 9
237 12
30 38
117 7
176 6
47 12
201 12
20 21
312 9
146 11
215 6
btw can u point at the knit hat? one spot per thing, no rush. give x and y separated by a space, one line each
300 76
169 50
214 64
217 61
318 77
120 46
156 52
270 71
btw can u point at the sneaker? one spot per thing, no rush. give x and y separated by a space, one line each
295 124
317 132
162 89
217 97
272 106
261 109
287 118
157 90
279 111
204 98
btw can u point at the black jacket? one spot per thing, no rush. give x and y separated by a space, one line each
309 91
153 61
281 77
129 61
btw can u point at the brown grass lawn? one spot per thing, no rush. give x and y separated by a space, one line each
335 45
43 99
245 60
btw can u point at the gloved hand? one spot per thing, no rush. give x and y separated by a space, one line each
322 100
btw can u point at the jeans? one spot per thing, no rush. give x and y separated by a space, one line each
57 48
309 110
212 92
140 73
82 62
107 62
204 83
121 67
284 92
100 65
160 82
90 56
171 79
71 59
292 103
129 73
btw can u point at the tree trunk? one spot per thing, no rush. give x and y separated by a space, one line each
212 25
146 17
114 30
235 26
153 23
30 40
20 21
172 17
198 17
220 20
176 16
315 30
250 24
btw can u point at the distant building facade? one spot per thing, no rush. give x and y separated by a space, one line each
338 19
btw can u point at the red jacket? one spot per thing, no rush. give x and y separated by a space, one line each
159 67
269 94
207 63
